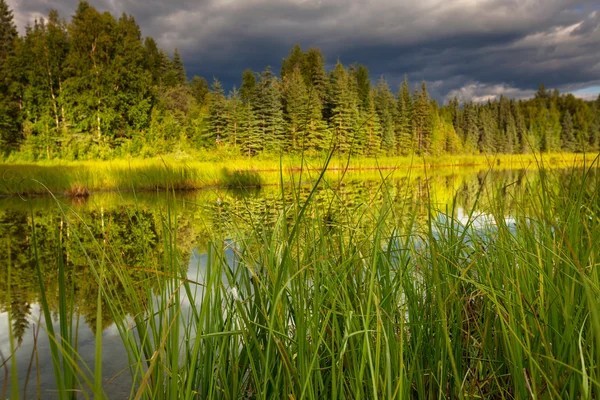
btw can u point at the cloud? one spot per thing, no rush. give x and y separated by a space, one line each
480 92
487 43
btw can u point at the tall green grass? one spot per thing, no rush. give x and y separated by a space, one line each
499 301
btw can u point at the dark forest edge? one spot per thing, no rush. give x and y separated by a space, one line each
95 88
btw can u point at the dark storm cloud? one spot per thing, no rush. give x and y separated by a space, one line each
470 48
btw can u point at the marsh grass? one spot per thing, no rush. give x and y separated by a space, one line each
499 301
240 179
186 173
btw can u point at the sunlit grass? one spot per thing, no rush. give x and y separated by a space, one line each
155 174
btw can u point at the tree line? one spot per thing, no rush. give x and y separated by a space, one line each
94 87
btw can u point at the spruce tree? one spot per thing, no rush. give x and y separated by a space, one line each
153 60
218 113
178 69
470 128
89 90
9 108
422 120
297 107
269 113
486 131
594 136
569 142
248 88
403 124
249 135
317 135
370 128
294 61
234 117
199 89
343 109
314 73
363 84
385 105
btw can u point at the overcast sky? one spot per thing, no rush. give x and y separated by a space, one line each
474 49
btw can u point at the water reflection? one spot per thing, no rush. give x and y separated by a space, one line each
131 229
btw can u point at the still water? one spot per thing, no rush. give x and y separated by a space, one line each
133 227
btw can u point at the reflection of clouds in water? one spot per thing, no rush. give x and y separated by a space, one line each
113 355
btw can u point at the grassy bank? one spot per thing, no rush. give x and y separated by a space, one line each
491 302
150 174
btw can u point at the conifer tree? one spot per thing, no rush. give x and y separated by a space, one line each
294 61
316 136
178 69
403 124
249 135
370 139
363 84
9 108
248 88
569 142
153 60
343 109
314 73
470 128
486 131
269 113
199 89
218 113
297 107
89 90
594 136
422 120
234 117
385 105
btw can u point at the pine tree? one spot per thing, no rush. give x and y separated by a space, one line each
403 124
343 109
422 121
314 73
218 113
569 142
385 105
470 128
234 117
541 92
269 113
317 135
178 69
249 135
370 129
294 61
297 107
153 60
9 108
486 132
248 88
363 84
89 88
594 136
199 89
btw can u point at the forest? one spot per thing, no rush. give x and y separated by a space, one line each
95 88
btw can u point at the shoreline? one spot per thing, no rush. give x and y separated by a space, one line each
62 177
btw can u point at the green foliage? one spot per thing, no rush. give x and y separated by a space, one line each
94 88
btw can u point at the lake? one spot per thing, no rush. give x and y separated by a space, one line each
131 242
